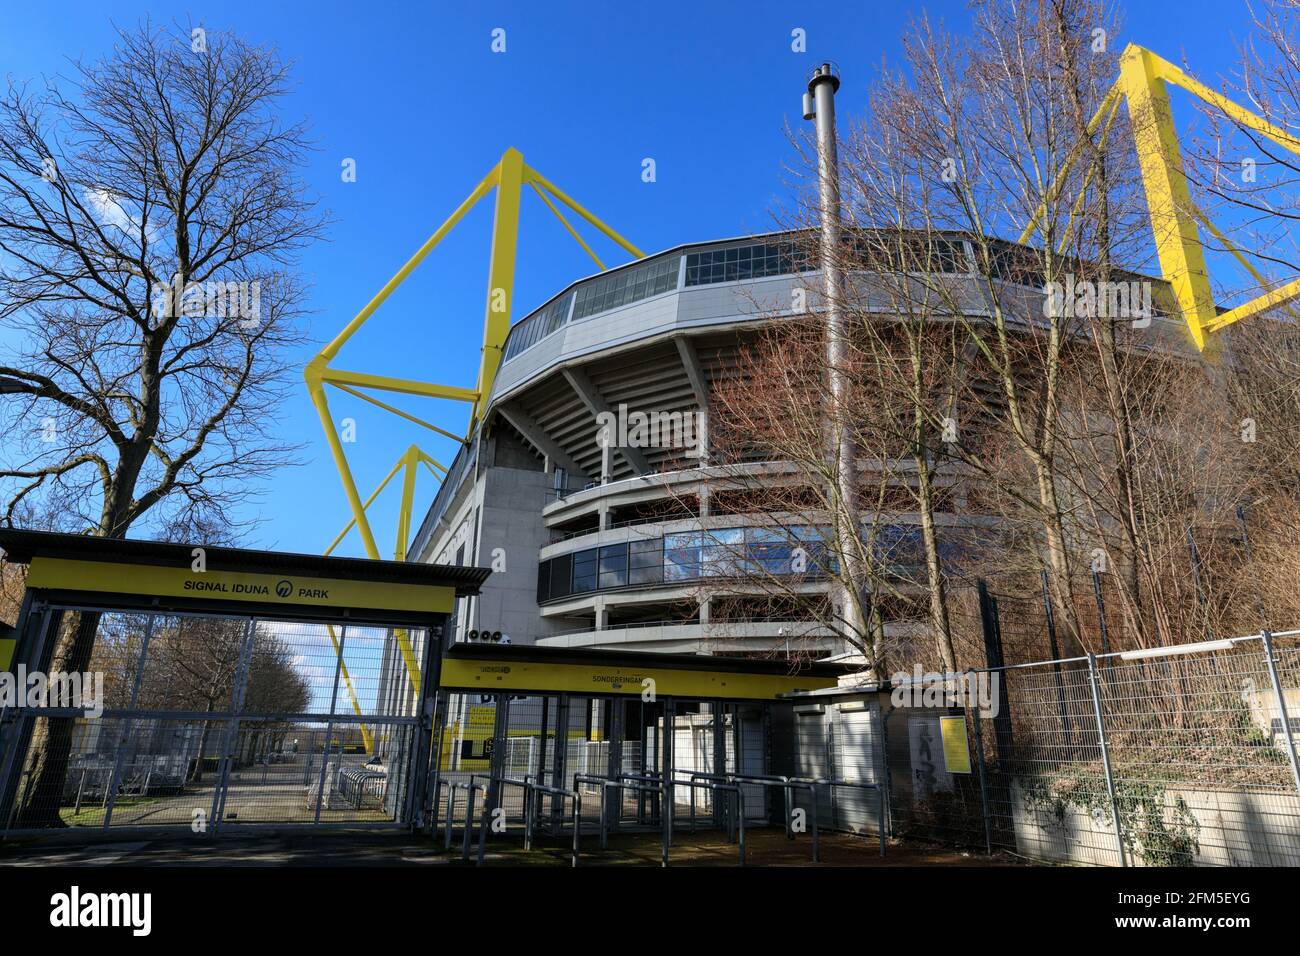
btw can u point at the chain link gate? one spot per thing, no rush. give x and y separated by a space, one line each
217 721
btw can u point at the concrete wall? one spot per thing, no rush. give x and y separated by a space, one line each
510 533
1237 828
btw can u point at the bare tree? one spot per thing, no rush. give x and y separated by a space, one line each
1078 438
150 218
12 586
768 446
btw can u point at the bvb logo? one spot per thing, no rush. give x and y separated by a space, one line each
284 588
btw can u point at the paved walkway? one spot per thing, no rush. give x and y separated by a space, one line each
766 847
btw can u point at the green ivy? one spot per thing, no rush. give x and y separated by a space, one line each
1156 832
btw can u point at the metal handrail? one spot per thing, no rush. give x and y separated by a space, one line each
532 791
788 785
470 788
702 775
880 796
656 784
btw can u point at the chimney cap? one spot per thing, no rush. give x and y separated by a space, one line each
827 72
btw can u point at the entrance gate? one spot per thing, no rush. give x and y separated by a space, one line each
212 721
219 698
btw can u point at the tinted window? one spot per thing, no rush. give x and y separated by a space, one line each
613 566
626 286
561 576
645 561
584 571
682 556
723 552
543 581
736 263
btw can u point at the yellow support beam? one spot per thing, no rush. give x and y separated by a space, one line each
1169 201
1273 299
535 177
481 190
366 504
409 464
564 222
352 691
397 411
407 386
317 393
409 460
1143 83
501 274
507 177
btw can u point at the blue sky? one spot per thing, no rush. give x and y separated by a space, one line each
413 93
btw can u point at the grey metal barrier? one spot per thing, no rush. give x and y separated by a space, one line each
852 785
638 782
471 789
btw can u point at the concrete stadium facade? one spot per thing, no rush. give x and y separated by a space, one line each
597 545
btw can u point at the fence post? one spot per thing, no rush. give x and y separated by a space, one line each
979 756
437 753
497 762
1093 681
559 769
993 658
1281 706
1066 729
231 737
124 739
719 758
1101 612
611 800
329 731
667 758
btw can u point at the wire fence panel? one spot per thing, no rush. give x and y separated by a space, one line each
212 721
1149 760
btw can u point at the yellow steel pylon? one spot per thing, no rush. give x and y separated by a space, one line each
1143 84
507 177
409 464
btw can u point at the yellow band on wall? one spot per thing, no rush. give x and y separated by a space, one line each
512 675
289 590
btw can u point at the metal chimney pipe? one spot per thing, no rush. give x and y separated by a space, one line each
822 86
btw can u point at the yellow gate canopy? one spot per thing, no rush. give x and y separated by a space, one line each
495 668
132 573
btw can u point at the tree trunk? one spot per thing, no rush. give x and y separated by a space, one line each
48 754
1058 566
934 572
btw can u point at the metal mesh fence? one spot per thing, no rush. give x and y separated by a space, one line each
1155 759
210 721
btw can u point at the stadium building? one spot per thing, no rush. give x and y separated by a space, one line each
600 540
